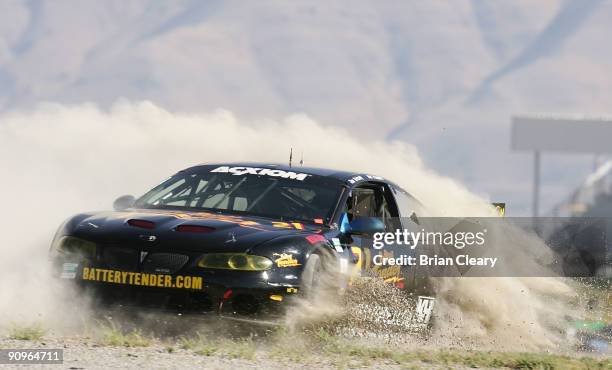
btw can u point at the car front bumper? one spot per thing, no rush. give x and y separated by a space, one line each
233 293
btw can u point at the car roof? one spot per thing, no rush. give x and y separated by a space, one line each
344 176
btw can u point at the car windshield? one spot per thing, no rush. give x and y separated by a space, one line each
276 194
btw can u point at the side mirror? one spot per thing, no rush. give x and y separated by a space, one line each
124 202
414 218
366 226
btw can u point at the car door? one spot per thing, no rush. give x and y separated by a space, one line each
372 199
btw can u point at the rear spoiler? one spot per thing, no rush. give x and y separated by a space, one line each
500 208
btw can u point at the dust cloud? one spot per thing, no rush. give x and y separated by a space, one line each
58 160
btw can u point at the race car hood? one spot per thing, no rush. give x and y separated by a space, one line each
186 231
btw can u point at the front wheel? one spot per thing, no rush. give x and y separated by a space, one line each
311 276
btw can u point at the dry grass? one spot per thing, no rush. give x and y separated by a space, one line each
113 336
33 331
321 345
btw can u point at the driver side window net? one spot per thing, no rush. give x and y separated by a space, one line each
370 201
364 203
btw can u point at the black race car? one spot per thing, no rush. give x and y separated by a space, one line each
238 239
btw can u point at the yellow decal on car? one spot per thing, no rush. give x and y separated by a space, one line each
387 272
142 279
288 225
286 260
358 255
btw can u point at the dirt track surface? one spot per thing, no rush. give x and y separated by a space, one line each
82 353
88 353
79 354
154 340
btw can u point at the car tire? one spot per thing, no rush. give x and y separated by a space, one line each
311 275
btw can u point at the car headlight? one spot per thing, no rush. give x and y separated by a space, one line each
69 245
235 261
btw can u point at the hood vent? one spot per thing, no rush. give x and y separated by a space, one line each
144 224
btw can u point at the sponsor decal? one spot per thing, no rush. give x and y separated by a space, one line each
337 245
358 178
286 260
239 171
141 279
69 270
388 273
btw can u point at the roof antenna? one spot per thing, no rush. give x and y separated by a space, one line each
290 157
302 159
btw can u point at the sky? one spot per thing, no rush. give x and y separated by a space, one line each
442 76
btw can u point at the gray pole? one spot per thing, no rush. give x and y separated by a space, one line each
536 183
